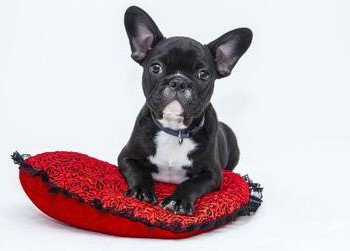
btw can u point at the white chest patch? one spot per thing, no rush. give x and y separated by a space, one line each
171 157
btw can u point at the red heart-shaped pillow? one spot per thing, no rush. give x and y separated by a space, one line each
89 193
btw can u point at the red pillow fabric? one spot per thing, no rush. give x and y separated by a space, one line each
89 193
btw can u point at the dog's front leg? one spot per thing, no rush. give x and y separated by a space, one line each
184 196
139 178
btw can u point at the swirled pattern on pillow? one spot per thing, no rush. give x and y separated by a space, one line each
89 193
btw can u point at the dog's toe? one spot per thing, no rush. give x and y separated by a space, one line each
142 194
178 206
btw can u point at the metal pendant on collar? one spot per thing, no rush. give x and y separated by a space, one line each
180 138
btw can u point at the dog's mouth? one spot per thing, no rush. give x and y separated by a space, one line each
174 106
174 112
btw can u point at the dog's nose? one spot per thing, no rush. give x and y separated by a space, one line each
178 84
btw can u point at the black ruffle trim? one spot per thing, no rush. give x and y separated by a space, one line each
246 210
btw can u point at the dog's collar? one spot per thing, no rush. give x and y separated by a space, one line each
180 134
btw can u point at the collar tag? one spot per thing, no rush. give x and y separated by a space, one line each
180 138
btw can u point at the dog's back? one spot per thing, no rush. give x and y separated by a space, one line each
228 148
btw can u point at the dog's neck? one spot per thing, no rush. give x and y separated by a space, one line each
173 116
173 121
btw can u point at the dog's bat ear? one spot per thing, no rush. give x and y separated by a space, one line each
228 49
142 31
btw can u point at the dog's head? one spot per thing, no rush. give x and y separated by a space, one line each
181 71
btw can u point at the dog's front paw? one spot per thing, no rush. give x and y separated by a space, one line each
178 205
143 194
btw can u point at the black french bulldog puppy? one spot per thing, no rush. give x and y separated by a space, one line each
177 137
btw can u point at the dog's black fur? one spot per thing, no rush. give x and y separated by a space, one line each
163 59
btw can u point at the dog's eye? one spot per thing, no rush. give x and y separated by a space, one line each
156 68
203 75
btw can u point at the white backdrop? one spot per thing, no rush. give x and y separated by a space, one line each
67 82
